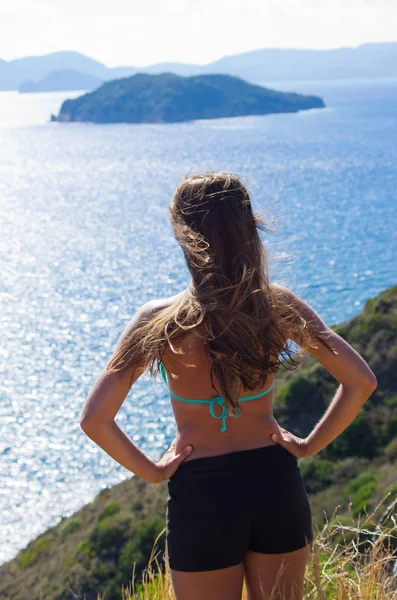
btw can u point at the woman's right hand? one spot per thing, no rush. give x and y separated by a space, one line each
294 444
170 461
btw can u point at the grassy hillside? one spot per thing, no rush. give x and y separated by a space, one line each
95 549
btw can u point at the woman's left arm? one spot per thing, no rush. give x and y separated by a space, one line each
100 409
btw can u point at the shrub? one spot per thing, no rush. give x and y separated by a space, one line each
360 491
112 508
136 552
317 473
32 552
70 526
357 440
84 547
107 538
301 401
391 450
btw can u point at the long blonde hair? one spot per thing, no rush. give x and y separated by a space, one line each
244 319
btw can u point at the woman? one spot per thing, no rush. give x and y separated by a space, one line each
237 506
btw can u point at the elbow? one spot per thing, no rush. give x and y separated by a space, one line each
87 425
371 383
363 385
91 425
83 426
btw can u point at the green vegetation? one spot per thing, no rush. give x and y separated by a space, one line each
33 552
360 491
110 509
169 98
92 551
70 526
97 549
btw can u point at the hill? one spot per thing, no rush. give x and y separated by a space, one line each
13 73
94 550
58 81
169 98
368 61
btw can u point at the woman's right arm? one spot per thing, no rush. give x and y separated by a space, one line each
357 382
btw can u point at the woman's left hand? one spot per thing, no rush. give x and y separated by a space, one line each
170 461
295 445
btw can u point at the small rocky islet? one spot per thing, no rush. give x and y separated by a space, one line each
170 98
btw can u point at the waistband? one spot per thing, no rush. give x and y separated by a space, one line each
271 455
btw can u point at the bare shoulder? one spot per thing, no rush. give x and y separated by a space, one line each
148 311
281 291
298 316
290 299
153 306
343 361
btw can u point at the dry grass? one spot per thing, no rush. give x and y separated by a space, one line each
356 561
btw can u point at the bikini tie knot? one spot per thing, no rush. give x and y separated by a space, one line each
220 402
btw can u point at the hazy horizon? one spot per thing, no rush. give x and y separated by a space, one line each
189 31
199 64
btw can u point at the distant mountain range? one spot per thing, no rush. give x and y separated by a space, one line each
62 81
369 61
170 98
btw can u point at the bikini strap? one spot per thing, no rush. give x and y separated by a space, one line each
256 395
163 375
218 400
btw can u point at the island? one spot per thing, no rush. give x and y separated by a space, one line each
64 80
170 98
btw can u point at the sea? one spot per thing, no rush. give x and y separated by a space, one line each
85 240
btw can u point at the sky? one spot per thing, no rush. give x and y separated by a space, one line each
143 32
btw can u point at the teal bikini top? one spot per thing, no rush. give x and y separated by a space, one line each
217 400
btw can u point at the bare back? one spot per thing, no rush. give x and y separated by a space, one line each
188 376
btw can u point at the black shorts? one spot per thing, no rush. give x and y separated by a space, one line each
219 507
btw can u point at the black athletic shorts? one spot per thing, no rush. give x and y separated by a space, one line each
219 507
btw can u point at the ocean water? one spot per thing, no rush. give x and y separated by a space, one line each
85 240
